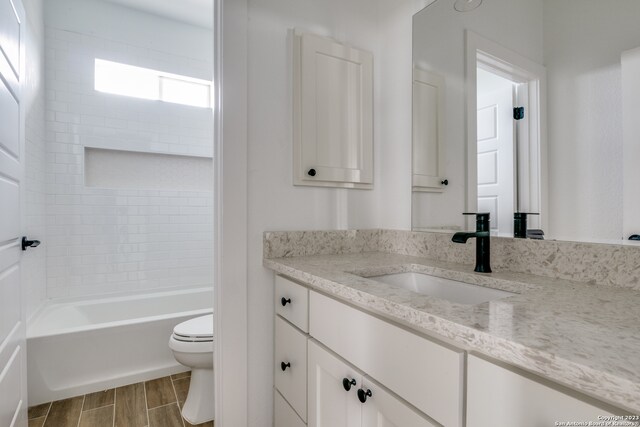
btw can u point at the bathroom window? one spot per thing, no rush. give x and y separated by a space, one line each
138 82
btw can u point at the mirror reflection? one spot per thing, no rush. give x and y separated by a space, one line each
527 107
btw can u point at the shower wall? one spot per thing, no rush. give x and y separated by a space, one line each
107 238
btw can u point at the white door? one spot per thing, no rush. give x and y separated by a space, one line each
330 405
383 409
496 157
13 388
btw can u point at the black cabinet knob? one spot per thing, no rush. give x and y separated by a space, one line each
362 395
284 366
29 243
444 182
284 301
347 383
312 172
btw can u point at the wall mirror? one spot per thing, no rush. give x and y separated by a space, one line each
528 106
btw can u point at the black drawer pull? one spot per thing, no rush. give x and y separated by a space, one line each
362 395
347 383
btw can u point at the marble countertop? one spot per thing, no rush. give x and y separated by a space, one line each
584 336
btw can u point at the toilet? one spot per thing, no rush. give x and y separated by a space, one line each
192 346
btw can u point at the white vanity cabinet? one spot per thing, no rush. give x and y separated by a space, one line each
406 379
332 405
497 396
412 381
383 409
426 374
290 355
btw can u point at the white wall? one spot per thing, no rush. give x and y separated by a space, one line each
383 28
34 196
584 40
104 240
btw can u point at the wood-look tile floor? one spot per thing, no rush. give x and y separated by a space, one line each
154 403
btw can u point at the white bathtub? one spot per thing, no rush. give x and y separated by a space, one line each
82 346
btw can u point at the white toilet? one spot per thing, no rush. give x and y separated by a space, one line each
192 346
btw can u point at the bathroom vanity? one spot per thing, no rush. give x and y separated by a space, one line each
527 350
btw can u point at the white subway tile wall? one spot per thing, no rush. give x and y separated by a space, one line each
149 171
103 240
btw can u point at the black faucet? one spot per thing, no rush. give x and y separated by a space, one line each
520 224
483 240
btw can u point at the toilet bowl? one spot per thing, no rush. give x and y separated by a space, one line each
192 346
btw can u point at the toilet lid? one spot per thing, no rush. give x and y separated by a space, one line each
198 329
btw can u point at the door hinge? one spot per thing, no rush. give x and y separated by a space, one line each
518 113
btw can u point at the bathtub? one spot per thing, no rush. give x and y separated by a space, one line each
76 347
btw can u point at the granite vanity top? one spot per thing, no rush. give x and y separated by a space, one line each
584 336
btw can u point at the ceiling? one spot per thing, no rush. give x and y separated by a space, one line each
194 12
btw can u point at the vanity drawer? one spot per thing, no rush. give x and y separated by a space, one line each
296 311
291 350
285 416
425 374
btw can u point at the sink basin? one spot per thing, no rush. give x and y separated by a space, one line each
451 290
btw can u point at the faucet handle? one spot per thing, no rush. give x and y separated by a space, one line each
482 220
481 216
524 214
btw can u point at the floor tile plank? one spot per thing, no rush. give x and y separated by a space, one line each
36 422
39 410
207 424
159 392
101 417
99 399
181 375
131 409
65 413
165 416
182 389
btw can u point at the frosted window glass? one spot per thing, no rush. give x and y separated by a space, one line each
184 92
121 79
138 82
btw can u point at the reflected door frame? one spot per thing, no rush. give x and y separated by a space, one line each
486 54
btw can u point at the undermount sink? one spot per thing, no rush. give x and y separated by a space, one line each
451 290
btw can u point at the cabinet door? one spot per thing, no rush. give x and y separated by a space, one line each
383 409
291 354
499 397
333 114
330 405
284 415
428 131
426 374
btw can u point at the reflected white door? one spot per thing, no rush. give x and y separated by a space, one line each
13 388
496 158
